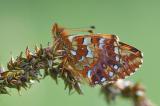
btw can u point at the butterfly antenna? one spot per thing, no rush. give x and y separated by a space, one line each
84 29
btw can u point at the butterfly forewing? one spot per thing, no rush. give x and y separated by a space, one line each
131 59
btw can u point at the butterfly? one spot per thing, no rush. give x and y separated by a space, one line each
99 58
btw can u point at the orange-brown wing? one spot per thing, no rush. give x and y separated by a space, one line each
94 56
131 59
115 62
102 58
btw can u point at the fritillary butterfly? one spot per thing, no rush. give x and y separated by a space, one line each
98 58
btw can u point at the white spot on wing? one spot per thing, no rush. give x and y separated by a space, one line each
96 82
103 79
87 41
140 93
141 60
89 54
115 66
142 54
101 45
131 73
82 58
73 52
140 65
136 69
117 58
89 73
102 40
110 74
116 50
71 38
117 38
115 43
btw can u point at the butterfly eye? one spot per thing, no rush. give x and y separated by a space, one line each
59 32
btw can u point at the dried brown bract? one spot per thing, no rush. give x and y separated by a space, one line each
126 89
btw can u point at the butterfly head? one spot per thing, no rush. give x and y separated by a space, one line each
58 31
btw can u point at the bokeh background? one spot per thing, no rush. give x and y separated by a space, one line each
28 22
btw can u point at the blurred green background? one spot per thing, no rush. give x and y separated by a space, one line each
28 22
